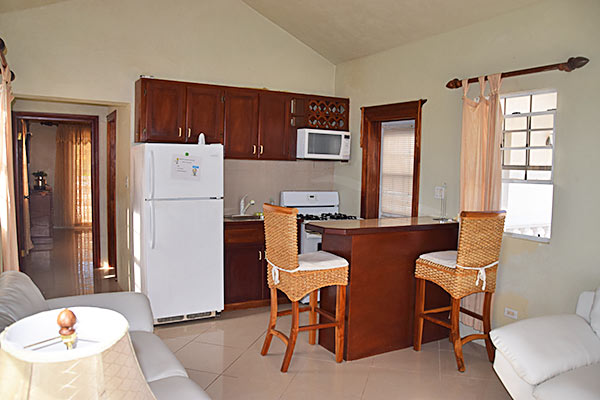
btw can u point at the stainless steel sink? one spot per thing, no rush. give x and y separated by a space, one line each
239 217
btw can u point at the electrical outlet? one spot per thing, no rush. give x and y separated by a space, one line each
510 313
440 192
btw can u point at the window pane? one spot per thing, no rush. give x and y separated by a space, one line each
515 139
541 138
540 157
513 174
517 104
397 164
514 157
542 121
513 124
539 175
544 102
529 208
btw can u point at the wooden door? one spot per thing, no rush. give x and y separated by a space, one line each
241 123
244 273
111 177
276 138
204 113
164 111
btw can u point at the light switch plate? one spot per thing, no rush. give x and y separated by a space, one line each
510 313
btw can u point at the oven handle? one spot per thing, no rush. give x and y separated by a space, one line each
313 235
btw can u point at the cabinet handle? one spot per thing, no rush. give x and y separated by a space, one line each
259 255
179 131
253 149
189 133
293 106
261 149
293 121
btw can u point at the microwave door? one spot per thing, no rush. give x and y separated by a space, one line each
324 144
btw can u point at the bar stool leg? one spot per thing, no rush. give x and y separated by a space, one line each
272 323
312 316
419 310
455 334
487 307
340 316
292 339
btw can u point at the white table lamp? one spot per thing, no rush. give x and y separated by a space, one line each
36 364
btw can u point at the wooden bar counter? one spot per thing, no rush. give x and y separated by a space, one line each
381 288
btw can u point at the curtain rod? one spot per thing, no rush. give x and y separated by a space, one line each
571 64
4 63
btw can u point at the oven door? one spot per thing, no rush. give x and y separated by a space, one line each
309 241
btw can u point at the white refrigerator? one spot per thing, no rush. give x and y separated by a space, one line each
177 218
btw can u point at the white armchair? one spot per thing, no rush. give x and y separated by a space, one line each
167 378
552 357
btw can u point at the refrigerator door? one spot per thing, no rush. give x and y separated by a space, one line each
179 171
183 260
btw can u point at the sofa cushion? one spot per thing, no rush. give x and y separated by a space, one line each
177 387
581 384
19 298
155 358
595 313
541 348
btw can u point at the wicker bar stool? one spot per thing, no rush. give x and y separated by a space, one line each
298 275
469 270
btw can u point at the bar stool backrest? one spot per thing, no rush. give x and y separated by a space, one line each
281 236
480 238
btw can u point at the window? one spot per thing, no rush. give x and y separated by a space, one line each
397 166
527 163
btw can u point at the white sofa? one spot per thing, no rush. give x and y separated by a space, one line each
552 357
19 298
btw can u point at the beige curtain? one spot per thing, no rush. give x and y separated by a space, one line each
73 176
480 167
8 220
28 245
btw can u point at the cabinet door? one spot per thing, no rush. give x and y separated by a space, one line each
244 273
164 111
241 123
204 113
275 138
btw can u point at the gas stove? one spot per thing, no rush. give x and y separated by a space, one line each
324 216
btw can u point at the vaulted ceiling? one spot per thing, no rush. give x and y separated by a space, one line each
341 30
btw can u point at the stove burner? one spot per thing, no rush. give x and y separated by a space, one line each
325 216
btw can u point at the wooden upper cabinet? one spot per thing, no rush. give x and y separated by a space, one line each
204 113
161 112
276 138
241 123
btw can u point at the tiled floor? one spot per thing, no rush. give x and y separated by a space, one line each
65 268
223 356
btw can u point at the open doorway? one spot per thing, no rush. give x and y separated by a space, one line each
57 192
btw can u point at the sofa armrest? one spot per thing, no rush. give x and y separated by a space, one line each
584 305
135 307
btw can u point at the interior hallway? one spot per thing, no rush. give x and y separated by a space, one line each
65 268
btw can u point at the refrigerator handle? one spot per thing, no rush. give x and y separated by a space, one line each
152 225
151 174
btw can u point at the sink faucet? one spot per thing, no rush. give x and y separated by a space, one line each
243 206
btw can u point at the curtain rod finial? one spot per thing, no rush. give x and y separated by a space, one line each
2 45
574 63
454 84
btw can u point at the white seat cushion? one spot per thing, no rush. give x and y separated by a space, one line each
177 387
541 348
19 298
445 258
581 384
320 260
154 357
595 313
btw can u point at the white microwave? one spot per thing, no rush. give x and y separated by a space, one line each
321 144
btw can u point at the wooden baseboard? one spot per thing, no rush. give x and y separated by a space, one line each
253 304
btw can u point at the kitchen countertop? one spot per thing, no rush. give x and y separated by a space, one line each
375 225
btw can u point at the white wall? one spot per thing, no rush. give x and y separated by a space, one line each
42 152
534 278
92 52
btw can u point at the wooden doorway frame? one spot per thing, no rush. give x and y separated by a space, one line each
21 116
111 196
370 142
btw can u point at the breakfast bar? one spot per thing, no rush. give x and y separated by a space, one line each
381 286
